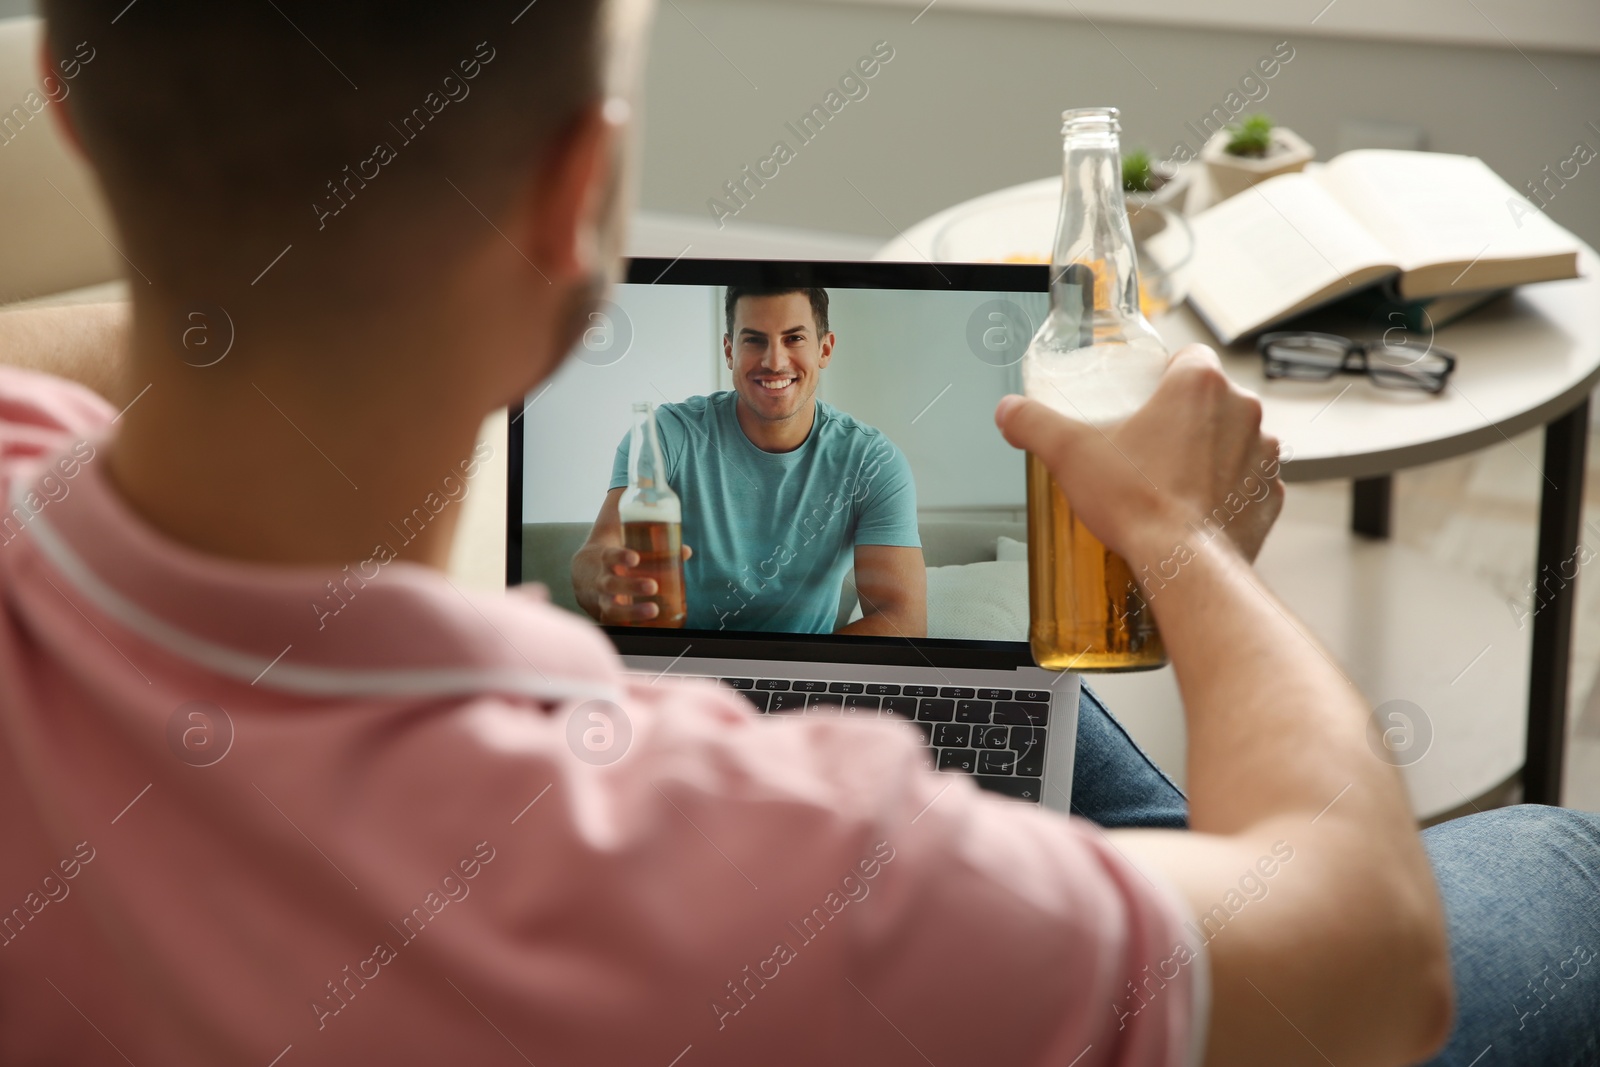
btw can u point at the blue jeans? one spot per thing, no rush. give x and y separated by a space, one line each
1521 891
1114 784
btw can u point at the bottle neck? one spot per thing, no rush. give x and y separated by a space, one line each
646 465
1094 279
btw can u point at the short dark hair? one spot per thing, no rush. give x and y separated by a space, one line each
818 298
224 132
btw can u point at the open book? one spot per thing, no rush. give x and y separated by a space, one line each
1444 224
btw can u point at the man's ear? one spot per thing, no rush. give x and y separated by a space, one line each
569 194
63 114
727 350
827 349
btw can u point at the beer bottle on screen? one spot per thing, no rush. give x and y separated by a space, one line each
1096 359
652 522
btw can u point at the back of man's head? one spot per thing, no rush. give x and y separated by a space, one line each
366 134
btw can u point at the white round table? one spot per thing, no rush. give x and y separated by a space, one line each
1527 360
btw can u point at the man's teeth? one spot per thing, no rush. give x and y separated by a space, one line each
773 386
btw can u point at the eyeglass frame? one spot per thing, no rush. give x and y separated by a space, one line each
1355 361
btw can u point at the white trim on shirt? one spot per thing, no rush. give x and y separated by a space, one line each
310 681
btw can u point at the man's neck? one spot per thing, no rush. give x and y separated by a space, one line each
274 457
785 436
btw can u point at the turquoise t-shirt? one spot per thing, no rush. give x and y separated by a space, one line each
774 533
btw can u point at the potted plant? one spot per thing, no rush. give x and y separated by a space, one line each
1253 151
1148 183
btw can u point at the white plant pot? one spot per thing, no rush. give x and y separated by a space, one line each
1173 195
1231 174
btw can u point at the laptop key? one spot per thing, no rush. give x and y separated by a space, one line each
925 731
757 700
1037 696
920 690
929 758
846 687
994 694
772 683
1017 713
936 710
739 683
808 685
1021 788
958 759
996 762
900 706
824 704
1031 763
883 689
958 692
952 735
1025 738
863 706
989 736
973 710
790 702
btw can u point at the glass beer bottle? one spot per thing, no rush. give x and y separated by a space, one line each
652 522
1096 359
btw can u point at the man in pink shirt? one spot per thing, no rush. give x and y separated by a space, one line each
236 831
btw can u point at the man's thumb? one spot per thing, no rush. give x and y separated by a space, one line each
1030 425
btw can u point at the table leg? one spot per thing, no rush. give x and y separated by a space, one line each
1369 506
1566 443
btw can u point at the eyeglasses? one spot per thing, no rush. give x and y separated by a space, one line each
1319 356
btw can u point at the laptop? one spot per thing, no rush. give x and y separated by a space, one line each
891 467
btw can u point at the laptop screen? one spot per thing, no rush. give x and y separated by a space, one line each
823 460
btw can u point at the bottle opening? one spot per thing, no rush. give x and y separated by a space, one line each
1090 120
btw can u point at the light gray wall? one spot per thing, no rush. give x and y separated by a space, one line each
971 103
664 346
901 363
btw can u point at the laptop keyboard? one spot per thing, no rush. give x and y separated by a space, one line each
995 735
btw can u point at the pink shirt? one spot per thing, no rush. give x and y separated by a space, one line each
241 829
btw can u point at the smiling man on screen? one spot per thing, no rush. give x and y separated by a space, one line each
782 493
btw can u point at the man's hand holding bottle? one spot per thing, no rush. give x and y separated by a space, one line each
619 591
1167 473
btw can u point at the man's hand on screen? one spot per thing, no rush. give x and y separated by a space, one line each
619 588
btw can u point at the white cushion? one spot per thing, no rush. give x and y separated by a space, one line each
985 601
1009 549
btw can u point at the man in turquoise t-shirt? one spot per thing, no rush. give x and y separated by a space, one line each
782 494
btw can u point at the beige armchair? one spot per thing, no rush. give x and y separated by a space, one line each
55 233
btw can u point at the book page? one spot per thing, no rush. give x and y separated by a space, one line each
1274 247
1433 208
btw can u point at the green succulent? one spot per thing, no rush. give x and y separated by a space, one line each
1252 137
1137 174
